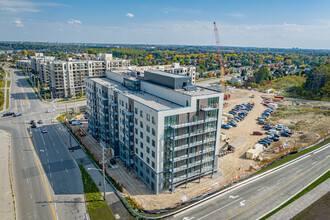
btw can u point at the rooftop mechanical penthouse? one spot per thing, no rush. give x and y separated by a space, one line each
161 126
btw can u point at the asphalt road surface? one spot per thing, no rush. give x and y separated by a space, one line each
257 198
47 180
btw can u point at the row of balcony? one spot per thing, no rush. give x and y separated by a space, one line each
182 125
191 134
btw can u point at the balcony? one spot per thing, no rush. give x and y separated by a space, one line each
193 123
113 104
128 114
198 132
129 124
182 147
129 133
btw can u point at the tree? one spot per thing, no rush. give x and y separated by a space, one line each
24 52
317 78
80 94
262 75
243 73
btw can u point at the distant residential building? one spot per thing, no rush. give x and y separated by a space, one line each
159 124
68 77
23 63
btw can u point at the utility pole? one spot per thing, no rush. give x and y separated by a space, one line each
67 117
103 161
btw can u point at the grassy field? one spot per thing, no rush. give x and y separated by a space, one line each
72 100
289 111
203 80
287 83
318 210
303 192
97 208
8 83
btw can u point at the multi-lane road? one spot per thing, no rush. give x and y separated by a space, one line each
47 181
258 196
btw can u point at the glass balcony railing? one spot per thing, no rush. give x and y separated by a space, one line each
193 123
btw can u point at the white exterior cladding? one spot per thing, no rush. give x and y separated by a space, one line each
150 156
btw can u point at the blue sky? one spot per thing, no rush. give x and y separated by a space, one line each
248 23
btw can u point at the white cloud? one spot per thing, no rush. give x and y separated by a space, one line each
130 15
73 21
18 23
236 15
17 6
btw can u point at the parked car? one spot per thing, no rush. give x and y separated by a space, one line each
279 127
261 122
284 134
232 123
17 114
226 126
287 131
257 133
271 131
266 124
267 127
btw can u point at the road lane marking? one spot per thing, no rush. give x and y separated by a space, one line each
314 162
30 195
42 137
48 167
260 189
219 209
248 181
280 179
242 203
57 151
279 188
233 197
61 159
50 174
35 216
66 170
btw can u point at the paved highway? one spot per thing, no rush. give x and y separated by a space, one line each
47 180
256 198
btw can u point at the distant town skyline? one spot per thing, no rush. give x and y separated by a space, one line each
256 23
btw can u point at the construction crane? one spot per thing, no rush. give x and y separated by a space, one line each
222 70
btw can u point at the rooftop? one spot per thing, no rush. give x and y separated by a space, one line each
172 75
145 98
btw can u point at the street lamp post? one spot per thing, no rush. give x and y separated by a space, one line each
103 163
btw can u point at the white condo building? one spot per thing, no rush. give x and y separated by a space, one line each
163 127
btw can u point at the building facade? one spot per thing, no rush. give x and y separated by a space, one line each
163 127
23 63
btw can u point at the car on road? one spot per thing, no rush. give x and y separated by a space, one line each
44 130
8 114
50 110
17 114
76 123
33 125
40 122
31 122
257 133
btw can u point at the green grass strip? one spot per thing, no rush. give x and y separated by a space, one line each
291 157
317 182
7 99
97 208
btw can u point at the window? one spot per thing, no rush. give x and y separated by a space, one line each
153 120
136 151
136 110
153 164
152 175
141 134
141 173
148 139
148 160
141 114
141 164
153 143
147 169
141 145
148 117
148 150
153 154
136 121
148 128
141 155
136 141
153 132
141 124
136 131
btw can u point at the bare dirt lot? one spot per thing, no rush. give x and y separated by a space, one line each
307 125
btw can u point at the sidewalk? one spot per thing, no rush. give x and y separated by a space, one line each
303 202
80 157
6 200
